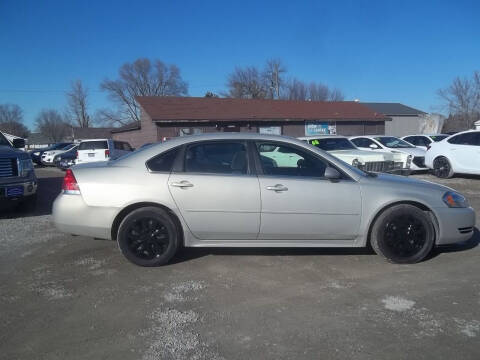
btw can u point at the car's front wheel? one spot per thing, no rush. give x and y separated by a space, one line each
148 237
403 234
442 167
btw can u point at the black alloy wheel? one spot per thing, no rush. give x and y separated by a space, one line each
403 234
148 237
442 168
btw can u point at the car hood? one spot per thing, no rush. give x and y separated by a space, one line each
411 151
396 181
362 155
8 151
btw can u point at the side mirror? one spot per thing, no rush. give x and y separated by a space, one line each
373 146
18 143
332 174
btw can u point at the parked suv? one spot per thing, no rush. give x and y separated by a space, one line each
101 150
17 177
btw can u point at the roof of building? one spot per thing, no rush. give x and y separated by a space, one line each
394 109
132 126
184 109
78 133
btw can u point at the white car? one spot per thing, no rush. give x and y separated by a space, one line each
101 150
48 156
423 141
459 153
341 147
392 144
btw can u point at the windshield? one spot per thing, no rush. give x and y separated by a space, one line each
333 144
438 137
3 140
393 142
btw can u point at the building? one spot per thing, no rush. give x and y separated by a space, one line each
404 119
167 117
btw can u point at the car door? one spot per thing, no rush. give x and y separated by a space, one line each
464 152
216 191
298 203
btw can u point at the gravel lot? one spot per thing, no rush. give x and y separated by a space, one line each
65 297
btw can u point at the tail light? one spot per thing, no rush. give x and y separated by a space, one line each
107 153
70 185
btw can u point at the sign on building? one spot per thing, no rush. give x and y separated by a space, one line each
270 130
320 128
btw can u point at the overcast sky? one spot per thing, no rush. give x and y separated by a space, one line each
385 51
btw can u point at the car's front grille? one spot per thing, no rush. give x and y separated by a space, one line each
378 166
8 167
419 161
465 230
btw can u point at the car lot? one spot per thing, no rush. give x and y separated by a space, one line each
74 297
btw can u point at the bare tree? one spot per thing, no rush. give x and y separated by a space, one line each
140 78
247 83
50 123
11 120
336 95
462 100
210 94
273 77
296 90
77 105
299 90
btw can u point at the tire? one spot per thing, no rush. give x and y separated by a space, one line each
442 167
148 236
403 234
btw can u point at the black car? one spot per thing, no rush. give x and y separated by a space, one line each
36 154
64 160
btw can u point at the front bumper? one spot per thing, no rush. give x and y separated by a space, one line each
73 216
454 224
29 189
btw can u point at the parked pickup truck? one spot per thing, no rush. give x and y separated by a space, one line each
18 182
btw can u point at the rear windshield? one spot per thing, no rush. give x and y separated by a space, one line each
93 145
438 137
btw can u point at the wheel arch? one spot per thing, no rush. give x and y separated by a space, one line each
122 214
417 204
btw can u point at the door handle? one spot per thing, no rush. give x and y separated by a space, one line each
181 184
277 188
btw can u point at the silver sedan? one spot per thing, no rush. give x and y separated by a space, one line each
227 190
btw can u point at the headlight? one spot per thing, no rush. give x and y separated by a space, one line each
454 200
355 162
409 161
24 167
36 153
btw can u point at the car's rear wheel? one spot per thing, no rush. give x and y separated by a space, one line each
442 167
403 234
148 237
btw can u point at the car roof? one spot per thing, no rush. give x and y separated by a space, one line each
85 140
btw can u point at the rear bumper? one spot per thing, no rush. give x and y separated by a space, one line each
73 216
455 224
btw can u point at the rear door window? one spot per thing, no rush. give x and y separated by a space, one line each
163 162
217 158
